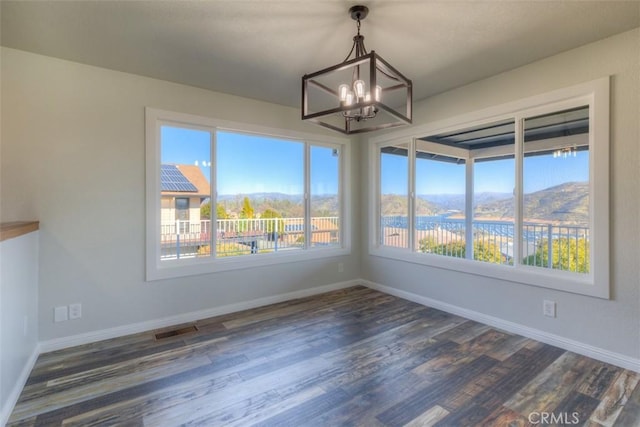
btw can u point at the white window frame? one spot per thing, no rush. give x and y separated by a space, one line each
157 269
595 94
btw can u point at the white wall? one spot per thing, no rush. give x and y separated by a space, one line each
73 158
18 300
612 325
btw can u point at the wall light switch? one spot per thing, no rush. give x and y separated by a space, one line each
60 314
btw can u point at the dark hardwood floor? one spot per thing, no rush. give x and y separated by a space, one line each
349 357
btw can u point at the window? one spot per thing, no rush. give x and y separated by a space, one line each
223 196
394 196
324 201
511 197
440 224
556 191
494 209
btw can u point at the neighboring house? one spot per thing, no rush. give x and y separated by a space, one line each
184 187
324 230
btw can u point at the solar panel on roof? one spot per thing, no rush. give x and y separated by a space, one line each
171 179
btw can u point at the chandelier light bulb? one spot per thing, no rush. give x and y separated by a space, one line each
378 95
367 110
358 88
349 99
342 92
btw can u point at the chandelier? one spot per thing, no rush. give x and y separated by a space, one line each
361 94
565 152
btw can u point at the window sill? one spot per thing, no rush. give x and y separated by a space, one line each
526 275
198 266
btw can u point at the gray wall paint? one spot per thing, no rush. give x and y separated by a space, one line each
73 158
609 324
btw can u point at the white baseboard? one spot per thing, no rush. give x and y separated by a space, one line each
597 353
14 394
89 337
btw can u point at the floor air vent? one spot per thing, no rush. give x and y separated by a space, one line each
176 332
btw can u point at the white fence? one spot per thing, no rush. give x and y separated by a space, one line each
245 236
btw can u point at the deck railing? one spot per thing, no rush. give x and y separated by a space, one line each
245 236
560 247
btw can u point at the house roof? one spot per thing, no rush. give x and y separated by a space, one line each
180 180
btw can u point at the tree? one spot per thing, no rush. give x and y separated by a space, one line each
205 211
482 251
487 252
246 213
276 225
567 254
221 212
247 210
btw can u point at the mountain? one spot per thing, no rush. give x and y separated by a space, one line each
287 205
455 202
394 204
567 203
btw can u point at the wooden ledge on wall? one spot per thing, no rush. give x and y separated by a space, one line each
9 230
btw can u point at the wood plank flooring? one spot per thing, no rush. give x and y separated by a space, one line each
353 357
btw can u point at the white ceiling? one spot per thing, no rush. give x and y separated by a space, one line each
260 49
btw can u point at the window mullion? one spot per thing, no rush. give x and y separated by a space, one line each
307 195
411 183
468 208
518 208
213 197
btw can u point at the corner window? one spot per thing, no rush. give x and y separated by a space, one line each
223 196
522 197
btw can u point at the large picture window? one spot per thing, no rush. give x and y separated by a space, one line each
522 197
222 196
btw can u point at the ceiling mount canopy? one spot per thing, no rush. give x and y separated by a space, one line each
362 93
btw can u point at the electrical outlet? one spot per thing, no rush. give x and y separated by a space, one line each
549 308
75 311
60 314
340 267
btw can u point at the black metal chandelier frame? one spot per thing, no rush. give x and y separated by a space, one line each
361 109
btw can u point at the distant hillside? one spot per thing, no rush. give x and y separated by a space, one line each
393 204
455 202
567 203
286 205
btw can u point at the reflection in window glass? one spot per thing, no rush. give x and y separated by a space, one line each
394 196
556 191
440 205
325 200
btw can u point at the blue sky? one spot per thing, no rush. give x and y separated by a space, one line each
278 167
242 169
